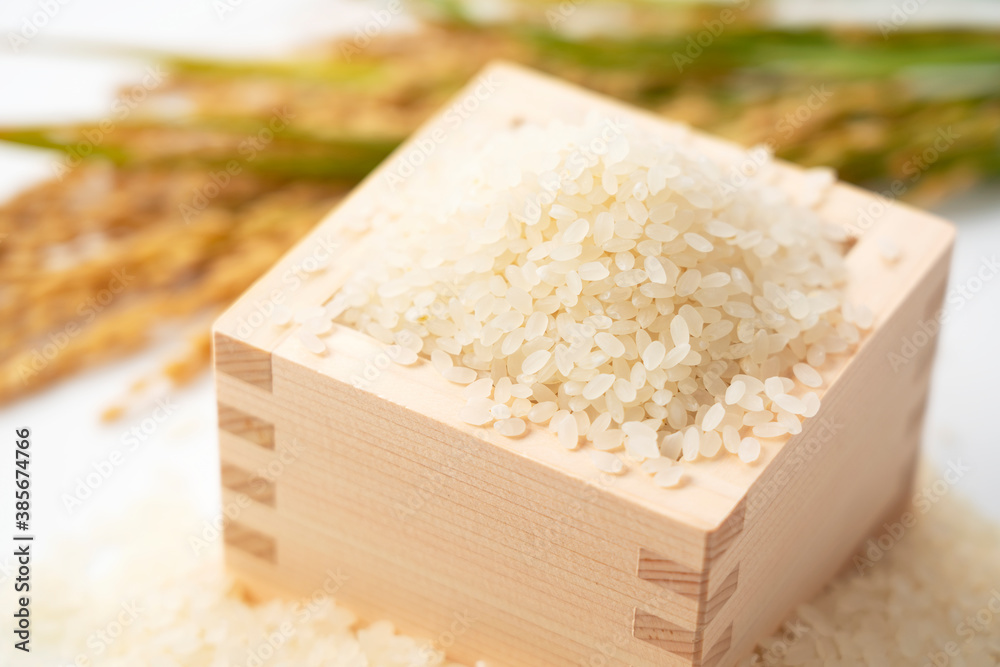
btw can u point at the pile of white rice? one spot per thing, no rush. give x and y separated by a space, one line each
137 584
614 287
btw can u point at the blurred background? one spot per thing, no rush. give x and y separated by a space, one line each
125 229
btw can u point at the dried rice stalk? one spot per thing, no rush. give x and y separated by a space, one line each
345 107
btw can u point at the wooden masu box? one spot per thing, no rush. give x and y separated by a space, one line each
349 469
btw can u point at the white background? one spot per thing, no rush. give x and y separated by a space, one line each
41 84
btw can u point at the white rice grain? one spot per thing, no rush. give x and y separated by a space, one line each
633 292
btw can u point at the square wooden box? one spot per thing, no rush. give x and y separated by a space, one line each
348 472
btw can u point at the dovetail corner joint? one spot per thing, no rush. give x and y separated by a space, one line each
246 426
685 642
666 635
715 655
250 484
253 542
243 362
671 575
711 606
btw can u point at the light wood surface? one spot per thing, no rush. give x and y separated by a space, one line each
516 550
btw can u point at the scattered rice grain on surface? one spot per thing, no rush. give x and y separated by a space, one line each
913 600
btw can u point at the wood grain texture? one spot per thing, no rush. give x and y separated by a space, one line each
254 486
717 653
518 551
242 361
712 604
665 635
250 541
674 576
246 426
